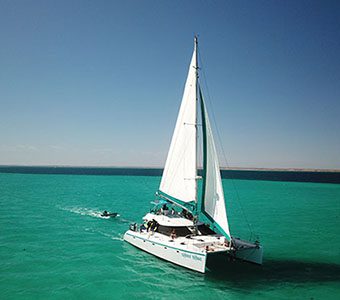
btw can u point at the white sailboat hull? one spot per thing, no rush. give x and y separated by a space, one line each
193 260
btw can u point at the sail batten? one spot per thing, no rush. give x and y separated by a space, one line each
180 165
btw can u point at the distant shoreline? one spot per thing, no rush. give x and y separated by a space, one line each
277 174
157 168
281 169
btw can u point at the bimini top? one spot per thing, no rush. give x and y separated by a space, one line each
170 220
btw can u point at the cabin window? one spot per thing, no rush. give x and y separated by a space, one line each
205 230
180 231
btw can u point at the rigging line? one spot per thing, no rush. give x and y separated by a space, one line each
223 152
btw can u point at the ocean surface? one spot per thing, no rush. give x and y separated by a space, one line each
55 245
269 174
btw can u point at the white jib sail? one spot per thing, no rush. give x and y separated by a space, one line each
179 175
214 203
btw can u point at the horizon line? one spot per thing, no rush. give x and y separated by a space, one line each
290 169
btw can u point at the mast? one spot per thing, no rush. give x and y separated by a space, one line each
196 125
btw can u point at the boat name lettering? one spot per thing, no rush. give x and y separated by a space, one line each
194 257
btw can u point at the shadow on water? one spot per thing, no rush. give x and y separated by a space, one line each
273 271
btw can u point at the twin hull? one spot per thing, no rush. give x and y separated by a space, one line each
189 259
247 251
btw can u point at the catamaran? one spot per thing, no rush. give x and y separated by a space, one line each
172 229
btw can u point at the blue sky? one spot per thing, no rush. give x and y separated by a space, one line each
99 83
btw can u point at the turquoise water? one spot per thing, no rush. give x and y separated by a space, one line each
54 245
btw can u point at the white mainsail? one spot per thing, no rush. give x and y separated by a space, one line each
213 204
179 175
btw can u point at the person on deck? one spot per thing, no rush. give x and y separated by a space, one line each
173 234
165 210
148 225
